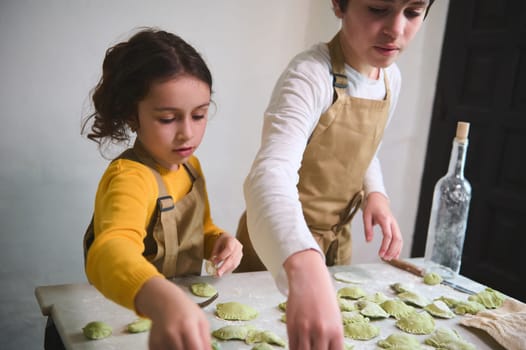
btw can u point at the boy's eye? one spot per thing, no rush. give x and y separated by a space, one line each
377 10
414 13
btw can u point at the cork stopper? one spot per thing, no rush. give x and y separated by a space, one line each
462 131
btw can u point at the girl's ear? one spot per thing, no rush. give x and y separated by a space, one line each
336 8
133 123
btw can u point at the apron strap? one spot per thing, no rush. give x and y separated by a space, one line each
340 82
350 211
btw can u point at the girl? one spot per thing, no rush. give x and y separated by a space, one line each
317 163
152 218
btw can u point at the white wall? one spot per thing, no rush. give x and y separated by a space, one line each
51 54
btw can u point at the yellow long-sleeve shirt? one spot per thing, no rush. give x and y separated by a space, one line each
124 205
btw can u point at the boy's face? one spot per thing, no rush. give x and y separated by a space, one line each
375 32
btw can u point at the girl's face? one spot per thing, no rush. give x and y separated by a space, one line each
374 32
172 119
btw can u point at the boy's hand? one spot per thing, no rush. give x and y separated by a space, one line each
378 212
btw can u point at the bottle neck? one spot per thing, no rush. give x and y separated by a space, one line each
458 158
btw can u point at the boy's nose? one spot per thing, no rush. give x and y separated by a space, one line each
394 27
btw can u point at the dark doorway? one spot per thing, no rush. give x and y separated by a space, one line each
482 80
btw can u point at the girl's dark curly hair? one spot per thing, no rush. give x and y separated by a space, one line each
128 71
343 5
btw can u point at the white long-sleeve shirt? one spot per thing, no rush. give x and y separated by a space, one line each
302 94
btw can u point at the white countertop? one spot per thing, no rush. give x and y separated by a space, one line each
72 306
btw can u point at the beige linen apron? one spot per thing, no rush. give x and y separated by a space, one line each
334 163
175 238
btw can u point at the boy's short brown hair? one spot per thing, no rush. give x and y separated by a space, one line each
343 5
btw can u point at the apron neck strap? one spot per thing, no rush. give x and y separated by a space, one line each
337 63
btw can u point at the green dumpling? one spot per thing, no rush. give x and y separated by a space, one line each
432 278
232 332
97 330
235 311
400 341
351 293
445 338
353 317
400 287
202 289
376 298
139 325
468 307
417 323
414 298
372 310
269 337
490 298
397 308
361 330
439 309
450 302
346 304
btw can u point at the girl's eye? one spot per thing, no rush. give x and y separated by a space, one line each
198 117
166 120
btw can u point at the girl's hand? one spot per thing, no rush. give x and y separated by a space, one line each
177 322
378 212
226 254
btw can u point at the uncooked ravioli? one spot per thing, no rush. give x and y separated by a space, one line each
468 307
439 309
432 278
232 332
360 330
449 301
353 317
377 297
351 293
235 311
417 323
490 298
414 298
400 341
399 287
370 309
346 304
269 337
202 289
140 325
397 308
446 338
97 330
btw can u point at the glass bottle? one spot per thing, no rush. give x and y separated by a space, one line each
449 212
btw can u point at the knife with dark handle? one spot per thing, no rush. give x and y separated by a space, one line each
208 301
416 270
